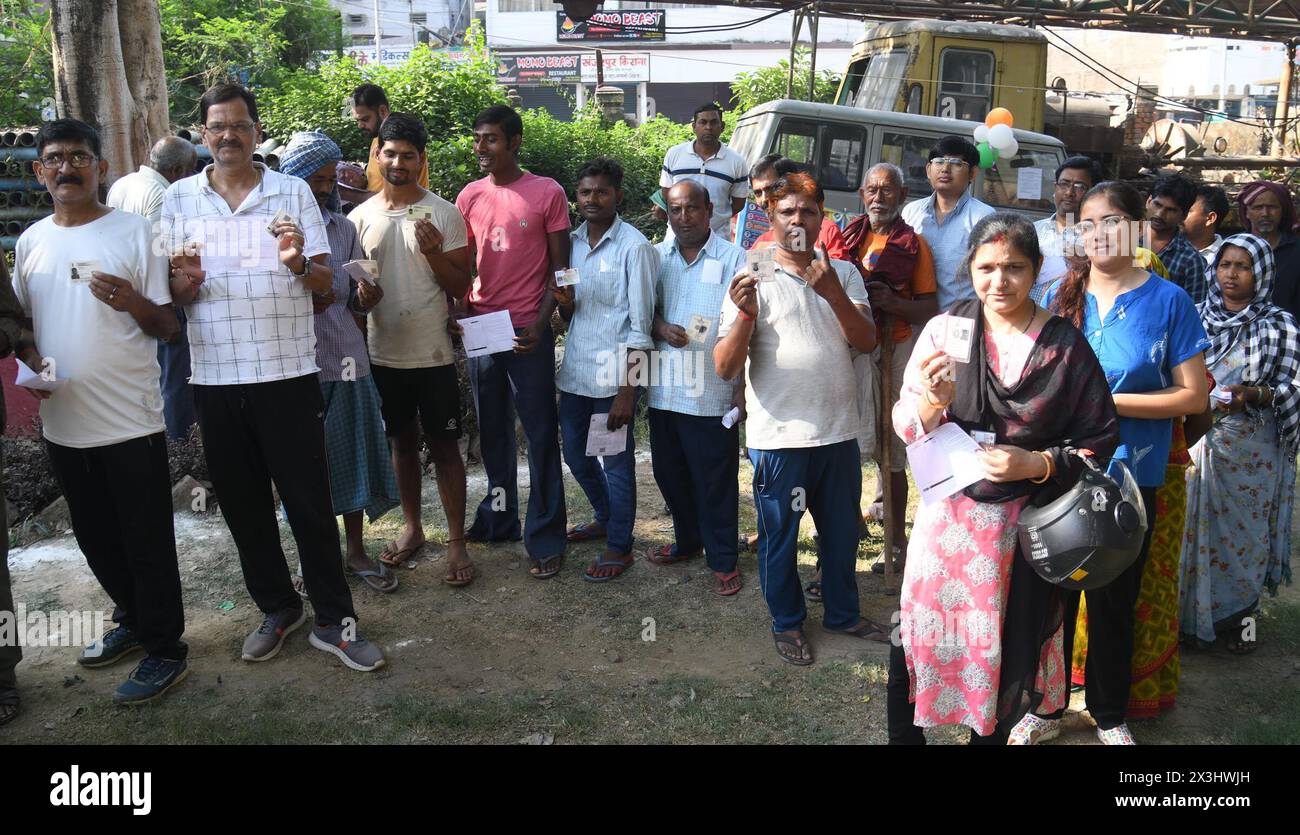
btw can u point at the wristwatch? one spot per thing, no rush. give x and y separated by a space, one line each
306 268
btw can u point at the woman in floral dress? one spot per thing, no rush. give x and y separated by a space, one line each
1033 382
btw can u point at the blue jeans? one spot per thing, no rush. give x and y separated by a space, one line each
504 384
695 464
610 485
178 399
826 481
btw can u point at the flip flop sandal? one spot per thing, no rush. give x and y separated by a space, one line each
458 583
663 555
377 579
814 591
396 557
547 567
586 532
621 564
798 643
867 630
727 585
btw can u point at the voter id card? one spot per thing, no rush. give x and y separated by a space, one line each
957 338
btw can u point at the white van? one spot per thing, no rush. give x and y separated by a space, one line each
842 142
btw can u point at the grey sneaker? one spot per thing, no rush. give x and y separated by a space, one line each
357 653
263 644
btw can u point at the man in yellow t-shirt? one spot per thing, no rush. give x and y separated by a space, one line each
370 108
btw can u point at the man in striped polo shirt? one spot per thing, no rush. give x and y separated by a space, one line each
722 171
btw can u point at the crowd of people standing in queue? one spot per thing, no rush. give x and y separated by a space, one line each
1124 325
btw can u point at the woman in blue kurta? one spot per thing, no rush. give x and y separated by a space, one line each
1238 539
1148 336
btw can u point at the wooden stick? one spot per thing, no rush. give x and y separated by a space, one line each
883 428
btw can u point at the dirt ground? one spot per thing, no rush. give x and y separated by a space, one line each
511 659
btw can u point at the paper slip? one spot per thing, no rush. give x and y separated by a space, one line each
365 269
1222 395
490 333
419 212
711 272
1029 184
280 217
600 441
80 272
944 462
567 278
958 337
698 330
238 244
731 418
28 378
762 263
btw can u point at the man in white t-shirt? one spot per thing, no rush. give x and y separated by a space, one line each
793 333
95 287
171 158
419 240
253 249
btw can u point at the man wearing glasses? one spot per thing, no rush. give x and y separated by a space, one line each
946 217
249 250
95 289
1073 179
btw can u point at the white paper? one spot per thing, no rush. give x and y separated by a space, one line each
944 462
711 271
365 269
958 338
731 418
238 244
1029 184
600 441
28 378
490 333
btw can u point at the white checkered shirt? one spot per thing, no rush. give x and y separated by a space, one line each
248 325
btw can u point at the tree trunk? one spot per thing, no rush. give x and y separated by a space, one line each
108 72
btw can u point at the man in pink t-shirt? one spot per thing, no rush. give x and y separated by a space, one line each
518 227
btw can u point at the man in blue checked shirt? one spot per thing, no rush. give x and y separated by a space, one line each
1171 199
694 455
609 310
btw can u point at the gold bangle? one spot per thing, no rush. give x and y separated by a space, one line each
1051 467
934 405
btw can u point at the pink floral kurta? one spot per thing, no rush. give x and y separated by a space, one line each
958 572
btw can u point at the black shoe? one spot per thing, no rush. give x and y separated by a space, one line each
112 647
152 678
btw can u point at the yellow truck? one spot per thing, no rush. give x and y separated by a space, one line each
949 69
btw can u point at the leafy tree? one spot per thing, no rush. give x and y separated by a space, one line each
26 62
751 89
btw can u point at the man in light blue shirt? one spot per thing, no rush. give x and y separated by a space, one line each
946 217
610 313
694 455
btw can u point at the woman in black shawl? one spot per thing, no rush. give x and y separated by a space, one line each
1035 392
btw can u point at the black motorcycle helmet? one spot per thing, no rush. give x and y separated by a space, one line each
1088 536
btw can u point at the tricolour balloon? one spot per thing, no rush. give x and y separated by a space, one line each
981 134
999 116
988 156
1000 136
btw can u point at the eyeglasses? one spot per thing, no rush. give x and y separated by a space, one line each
79 159
221 127
1066 185
1085 228
949 162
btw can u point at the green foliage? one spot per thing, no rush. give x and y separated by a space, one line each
26 62
447 95
751 89
206 42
